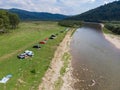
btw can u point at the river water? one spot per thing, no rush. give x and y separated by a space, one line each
95 61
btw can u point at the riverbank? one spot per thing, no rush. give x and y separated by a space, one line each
114 39
59 74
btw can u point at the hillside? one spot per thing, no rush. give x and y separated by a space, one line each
27 15
110 11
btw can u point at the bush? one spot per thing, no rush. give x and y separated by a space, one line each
114 27
33 71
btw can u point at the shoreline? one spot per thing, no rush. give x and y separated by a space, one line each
53 78
114 39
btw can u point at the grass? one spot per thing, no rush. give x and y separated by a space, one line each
28 73
106 31
74 29
58 84
66 58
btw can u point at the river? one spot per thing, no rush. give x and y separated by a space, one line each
95 61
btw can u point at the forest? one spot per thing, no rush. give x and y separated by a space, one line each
106 12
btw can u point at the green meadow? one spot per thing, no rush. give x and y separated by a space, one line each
27 73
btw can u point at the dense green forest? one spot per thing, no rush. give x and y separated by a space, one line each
107 12
38 16
8 20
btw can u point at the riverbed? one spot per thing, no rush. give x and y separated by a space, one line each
95 60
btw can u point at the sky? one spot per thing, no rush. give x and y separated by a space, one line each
67 7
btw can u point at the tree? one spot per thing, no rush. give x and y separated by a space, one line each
14 20
8 20
1 23
4 18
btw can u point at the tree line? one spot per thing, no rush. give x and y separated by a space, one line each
8 20
70 23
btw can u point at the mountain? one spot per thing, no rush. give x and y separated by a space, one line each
109 12
27 15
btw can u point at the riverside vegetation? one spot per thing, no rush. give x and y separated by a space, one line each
113 27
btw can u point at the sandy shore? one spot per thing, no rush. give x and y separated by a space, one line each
114 39
53 73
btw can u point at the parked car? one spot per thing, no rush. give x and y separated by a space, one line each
36 46
52 37
25 54
22 56
29 53
43 42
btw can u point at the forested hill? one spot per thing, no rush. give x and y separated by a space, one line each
27 15
110 12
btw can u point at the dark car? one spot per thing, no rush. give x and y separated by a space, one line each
36 46
52 37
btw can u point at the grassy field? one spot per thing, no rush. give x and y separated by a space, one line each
27 73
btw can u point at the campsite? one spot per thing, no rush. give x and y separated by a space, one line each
59 44
27 73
